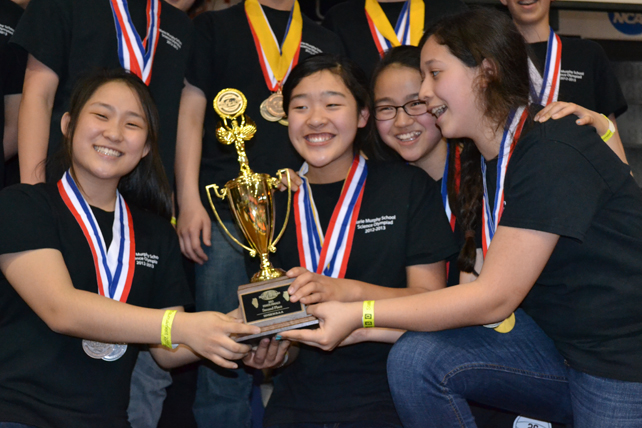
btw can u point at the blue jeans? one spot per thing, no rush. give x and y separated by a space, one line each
222 396
147 392
365 424
432 375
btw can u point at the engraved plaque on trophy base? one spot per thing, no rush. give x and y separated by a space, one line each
267 304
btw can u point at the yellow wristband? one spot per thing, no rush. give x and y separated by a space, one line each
368 314
173 221
166 328
607 136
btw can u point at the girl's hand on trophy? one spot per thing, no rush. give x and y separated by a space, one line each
295 181
193 222
269 354
337 320
310 288
208 334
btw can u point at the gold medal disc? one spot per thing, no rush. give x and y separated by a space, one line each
265 112
274 105
230 103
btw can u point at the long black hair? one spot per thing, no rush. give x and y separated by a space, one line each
350 73
146 186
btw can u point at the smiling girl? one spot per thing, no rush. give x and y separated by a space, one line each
562 240
80 257
360 232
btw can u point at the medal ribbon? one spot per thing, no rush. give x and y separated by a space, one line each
276 60
490 218
409 28
137 55
444 185
547 87
114 267
329 257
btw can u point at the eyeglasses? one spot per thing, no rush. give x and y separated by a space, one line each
412 108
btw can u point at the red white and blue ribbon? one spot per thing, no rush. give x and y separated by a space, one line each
490 218
546 88
329 256
114 266
136 55
444 184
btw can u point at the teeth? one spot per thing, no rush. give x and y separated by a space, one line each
408 136
438 111
527 2
107 151
318 138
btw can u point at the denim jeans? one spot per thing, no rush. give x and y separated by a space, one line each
222 395
432 375
147 392
364 424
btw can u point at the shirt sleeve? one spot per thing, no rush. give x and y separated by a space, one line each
45 32
26 220
170 287
552 187
429 236
609 96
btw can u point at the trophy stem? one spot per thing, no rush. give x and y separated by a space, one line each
267 270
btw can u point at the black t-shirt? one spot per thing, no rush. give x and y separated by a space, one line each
74 36
225 57
46 379
12 63
563 179
348 20
587 78
350 384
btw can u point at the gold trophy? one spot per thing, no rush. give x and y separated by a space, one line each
264 302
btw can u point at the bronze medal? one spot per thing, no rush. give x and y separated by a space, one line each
266 113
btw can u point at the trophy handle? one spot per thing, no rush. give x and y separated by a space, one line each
222 195
279 173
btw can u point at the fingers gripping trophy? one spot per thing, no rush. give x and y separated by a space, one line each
264 302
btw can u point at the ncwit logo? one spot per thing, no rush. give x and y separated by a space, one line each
627 22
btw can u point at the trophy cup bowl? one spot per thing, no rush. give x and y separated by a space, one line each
265 301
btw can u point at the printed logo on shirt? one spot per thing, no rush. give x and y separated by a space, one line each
5 30
377 224
571 75
174 42
146 260
308 48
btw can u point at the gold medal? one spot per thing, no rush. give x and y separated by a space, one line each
272 109
266 113
230 103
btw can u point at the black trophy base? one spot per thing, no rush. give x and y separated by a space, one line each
267 304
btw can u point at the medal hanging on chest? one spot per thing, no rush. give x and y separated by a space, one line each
114 266
409 28
328 255
545 89
276 60
490 218
137 55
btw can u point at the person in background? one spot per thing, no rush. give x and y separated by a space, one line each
569 69
368 28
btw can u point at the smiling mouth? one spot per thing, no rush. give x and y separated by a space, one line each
408 137
526 2
107 151
438 111
319 138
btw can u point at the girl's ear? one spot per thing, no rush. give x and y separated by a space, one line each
489 72
146 150
364 114
64 123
